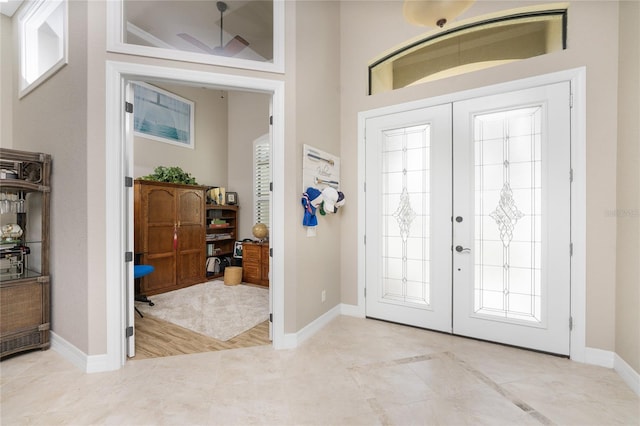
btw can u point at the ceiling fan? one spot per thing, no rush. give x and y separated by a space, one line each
232 48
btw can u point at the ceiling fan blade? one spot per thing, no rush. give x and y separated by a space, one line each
235 46
191 39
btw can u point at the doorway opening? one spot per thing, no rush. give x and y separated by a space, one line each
184 300
119 163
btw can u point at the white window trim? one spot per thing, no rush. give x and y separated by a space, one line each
115 43
40 11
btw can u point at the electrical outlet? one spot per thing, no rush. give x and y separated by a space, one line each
323 295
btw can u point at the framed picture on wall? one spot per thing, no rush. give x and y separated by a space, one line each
231 198
162 116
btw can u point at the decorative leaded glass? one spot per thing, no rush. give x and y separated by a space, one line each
508 237
405 207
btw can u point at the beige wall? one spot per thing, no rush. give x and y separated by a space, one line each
627 213
248 120
6 82
207 162
366 36
317 119
53 119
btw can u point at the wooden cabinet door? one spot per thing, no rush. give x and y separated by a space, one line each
255 263
251 263
157 227
191 236
265 265
170 235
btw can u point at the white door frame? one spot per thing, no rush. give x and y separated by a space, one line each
577 78
117 76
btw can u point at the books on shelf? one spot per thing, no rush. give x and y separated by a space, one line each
223 236
213 250
218 223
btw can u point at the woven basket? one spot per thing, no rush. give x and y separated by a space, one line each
232 275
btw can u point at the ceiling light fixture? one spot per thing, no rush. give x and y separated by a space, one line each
434 12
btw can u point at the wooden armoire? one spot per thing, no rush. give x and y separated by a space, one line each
169 234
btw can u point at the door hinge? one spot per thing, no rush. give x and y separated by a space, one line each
270 317
570 175
271 186
365 240
128 107
270 252
365 292
128 182
365 187
128 256
271 120
571 100
570 249
570 323
128 331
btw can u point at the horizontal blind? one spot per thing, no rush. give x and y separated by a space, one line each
261 181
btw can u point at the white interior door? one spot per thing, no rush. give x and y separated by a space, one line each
408 222
129 232
511 230
468 230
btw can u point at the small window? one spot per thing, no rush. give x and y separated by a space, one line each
42 27
261 179
470 47
240 34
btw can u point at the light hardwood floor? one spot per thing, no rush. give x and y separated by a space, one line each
157 338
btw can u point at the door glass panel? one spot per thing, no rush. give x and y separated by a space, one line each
406 215
508 234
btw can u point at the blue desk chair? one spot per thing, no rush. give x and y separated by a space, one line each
140 271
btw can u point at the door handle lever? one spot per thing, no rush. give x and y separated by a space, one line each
461 249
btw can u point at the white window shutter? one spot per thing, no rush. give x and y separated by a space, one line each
262 180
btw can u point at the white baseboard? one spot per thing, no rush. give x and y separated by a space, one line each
628 374
293 340
351 310
86 363
598 357
609 359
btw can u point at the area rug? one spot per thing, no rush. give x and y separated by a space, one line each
212 308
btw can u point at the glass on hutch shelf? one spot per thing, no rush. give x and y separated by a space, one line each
20 233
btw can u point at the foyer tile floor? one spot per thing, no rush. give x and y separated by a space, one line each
353 372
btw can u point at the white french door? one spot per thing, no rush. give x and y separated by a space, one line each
468 230
408 221
512 195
